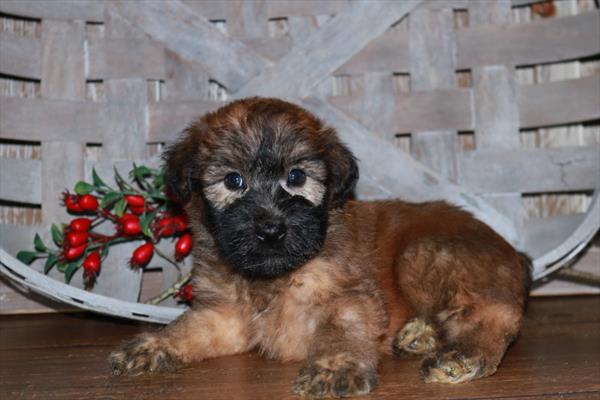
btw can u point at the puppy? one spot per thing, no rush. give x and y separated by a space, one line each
286 264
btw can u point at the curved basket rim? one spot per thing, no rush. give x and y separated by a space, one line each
44 285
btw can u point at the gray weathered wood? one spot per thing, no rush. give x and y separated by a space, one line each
46 119
125 58
88 10
542 41
63 78
559 103
20 56
422 111
125 132
178 27
432 66
496 111
185 81
308 63
63 72
20 180
247 19
536 42
498 170
552 103
169 118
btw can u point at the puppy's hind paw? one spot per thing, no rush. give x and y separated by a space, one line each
317 382
451 367
144 354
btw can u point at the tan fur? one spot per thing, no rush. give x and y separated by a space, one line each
382 264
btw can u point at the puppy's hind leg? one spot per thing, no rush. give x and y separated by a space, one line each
473 297
196 335
475 339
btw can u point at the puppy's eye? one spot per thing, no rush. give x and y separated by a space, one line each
234 181
296 177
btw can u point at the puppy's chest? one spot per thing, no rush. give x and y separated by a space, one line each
287 319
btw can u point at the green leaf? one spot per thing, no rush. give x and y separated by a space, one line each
50 262
96 179
119 179
70 271
120 207
62 267
146 222
39 244
27 257
104 252
109 199
82 187
57 235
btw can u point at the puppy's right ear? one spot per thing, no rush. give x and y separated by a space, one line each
178 166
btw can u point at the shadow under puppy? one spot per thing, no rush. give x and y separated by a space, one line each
287 265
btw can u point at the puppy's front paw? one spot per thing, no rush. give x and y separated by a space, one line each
451 367
142 355
348 379
416 337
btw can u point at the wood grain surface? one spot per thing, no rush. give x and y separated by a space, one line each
64 356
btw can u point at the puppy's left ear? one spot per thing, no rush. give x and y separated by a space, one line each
343 173
178 166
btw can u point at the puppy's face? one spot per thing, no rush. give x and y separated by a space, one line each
262 175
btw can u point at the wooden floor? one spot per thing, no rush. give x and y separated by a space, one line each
64 357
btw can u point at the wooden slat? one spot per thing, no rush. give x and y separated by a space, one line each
542 41
169 118
20 180
562 102
88 10
20 56
432 67
285 8
422 110
537 42
554 103
45 119
63 78
247 19
309 62
192 37
125 58
530 170
495 108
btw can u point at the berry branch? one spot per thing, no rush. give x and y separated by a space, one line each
139 209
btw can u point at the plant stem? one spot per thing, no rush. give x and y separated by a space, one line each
169 259
170 291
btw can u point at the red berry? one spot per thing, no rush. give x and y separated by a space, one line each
92 263
80 224
137 210
171 225
71 201
130 225
73 253
75 239
186 293
142 255
183 246
135 201
88 202
181 222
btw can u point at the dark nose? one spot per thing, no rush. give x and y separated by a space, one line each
270 231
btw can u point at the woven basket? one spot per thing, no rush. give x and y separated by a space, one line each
434 98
